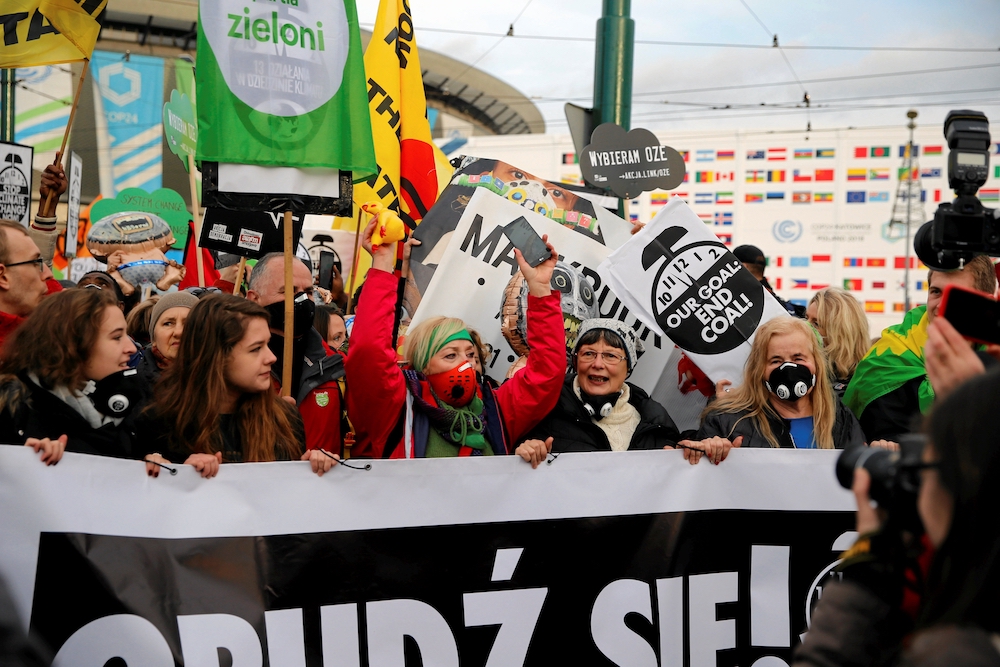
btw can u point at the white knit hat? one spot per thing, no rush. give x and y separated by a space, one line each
627 334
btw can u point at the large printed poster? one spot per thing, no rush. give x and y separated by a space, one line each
620 558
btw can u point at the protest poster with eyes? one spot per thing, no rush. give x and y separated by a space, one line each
478 262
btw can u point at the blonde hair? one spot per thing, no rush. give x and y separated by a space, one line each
847 339
427 338
753 397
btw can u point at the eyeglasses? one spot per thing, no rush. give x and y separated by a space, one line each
610 358
38 261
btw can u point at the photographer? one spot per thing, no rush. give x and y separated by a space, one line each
859 620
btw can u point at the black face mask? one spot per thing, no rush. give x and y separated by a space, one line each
117 394
790 382
599 407
303 314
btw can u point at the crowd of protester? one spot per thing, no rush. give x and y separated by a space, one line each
193 377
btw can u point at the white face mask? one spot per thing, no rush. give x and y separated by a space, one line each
533 195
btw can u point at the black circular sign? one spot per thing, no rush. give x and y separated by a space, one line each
704 301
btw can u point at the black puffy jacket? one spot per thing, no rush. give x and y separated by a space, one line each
572 429
846 429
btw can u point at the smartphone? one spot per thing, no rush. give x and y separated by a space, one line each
327 262
973 314
527 240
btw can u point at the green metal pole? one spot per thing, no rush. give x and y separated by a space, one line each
613 65
7 80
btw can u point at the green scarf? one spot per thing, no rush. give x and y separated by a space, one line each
894 360
445 440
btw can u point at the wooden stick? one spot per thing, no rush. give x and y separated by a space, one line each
48 208
286 357
239 276
195 211
354 265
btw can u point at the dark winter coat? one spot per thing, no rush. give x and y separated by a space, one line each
33 412
846 430
573 430
853 626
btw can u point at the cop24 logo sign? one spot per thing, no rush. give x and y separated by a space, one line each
787 231
702 297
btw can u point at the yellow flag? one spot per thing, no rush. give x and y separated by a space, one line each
46 32
406 181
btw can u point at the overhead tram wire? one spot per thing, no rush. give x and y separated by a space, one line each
509 33
727 45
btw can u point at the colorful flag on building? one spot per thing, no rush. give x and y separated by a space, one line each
727 239
723 217
776 153
756 155
756 175
878 284
878 174
686 155
659 198
703 177
879 151
725 155
802 153
821 258
48 32
286 87
775 196
801 197
932 150
874 306
856 197
930 173
875 262
755 198
705 155
802 175
826 152
861 151
798 261
822 196
776 176
902 150
878 196
704 197
854 261
41 110
853 284
857 174
706 218
824 174
723 197
989 194
128 109
800 284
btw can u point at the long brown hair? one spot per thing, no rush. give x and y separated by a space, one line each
190 394
753 398
55 341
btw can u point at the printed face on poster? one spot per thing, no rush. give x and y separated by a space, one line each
479 261
680 280
15 182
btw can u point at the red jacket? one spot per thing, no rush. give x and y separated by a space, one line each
378 388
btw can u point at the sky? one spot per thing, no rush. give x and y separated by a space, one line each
554 71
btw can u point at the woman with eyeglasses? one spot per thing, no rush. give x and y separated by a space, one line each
598 410
863 618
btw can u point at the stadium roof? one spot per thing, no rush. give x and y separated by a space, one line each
167 27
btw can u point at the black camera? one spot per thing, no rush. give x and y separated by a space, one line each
963 228
895 477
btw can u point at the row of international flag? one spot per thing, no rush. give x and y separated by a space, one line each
809 175
849 284
871 306
777 154
805 261
803 197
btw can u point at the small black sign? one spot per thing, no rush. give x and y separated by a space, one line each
628 163
250 234
15 182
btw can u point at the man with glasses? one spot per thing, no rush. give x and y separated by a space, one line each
24 277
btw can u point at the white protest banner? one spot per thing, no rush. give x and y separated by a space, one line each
634 558
15 182
478 262
679 279
73 214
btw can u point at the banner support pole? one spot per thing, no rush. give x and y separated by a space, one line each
286 349
354 265
47 209
239 276
195 211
